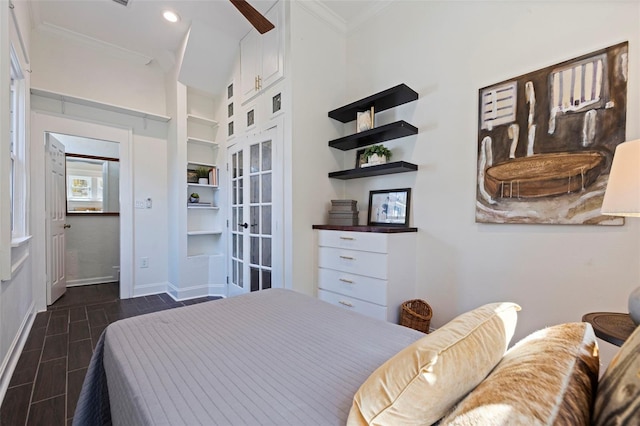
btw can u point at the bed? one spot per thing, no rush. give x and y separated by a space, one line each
271 357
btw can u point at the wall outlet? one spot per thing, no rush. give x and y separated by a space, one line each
140 204
144 262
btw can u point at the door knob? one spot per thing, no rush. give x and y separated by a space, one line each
66 226
244 225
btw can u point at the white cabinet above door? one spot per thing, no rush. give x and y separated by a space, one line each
249 55
262 56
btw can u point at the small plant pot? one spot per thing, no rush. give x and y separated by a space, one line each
375 159
194 200
203 181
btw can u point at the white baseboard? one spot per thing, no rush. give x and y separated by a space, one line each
185 293
91 281
179 294
149 289
13 355
218 290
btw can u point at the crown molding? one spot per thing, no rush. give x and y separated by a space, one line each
117 51
374 7
318 9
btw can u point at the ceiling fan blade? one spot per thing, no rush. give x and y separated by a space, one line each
256 19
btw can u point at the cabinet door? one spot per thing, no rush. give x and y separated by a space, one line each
272 55
249 57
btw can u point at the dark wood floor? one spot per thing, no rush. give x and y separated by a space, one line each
46 384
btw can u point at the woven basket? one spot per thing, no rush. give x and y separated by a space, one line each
416 314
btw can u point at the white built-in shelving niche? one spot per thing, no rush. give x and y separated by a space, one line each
204 225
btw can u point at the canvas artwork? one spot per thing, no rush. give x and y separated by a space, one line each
546 141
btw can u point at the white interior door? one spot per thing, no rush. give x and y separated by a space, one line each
55 207
255 262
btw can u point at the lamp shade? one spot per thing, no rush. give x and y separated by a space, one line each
622 197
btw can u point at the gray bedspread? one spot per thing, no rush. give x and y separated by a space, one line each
273 357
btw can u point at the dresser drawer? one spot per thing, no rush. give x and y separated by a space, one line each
365 241
354 262
366 308
351 285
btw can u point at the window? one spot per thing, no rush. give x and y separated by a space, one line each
92 184
18 168
13 112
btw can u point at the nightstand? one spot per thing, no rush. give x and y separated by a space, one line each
612 327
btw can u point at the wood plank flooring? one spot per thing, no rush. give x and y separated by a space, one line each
46 383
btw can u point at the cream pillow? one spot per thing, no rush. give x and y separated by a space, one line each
618 398
547 378
422 382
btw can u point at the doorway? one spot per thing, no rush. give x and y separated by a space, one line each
89 240
43 123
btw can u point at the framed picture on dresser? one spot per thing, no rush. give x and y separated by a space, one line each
389 207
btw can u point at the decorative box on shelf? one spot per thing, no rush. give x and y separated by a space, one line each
343 212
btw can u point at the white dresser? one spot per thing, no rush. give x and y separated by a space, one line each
367 272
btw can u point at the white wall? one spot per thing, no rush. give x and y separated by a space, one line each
17 310
151 225
175 211
96 147
93 249
316 74
17 294
67 66
72 67
446 51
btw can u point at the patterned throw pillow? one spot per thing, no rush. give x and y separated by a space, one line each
423 381
618 398
547 378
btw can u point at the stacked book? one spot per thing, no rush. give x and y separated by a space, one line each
343 213
213 176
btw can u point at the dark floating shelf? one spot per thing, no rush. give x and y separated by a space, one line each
382 169
364 228
398 129
398 95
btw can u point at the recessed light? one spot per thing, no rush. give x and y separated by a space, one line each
171 16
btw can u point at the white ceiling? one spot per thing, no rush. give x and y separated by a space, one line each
139 29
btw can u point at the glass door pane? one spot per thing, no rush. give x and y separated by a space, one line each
236 234
260 217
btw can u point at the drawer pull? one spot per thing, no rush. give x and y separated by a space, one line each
342 302
347 238
344 280
346 257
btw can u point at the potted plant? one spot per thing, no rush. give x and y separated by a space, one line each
194 197
203 175
377 154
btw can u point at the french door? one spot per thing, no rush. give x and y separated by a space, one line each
255 202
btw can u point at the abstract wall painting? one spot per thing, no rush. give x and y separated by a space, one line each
546 141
